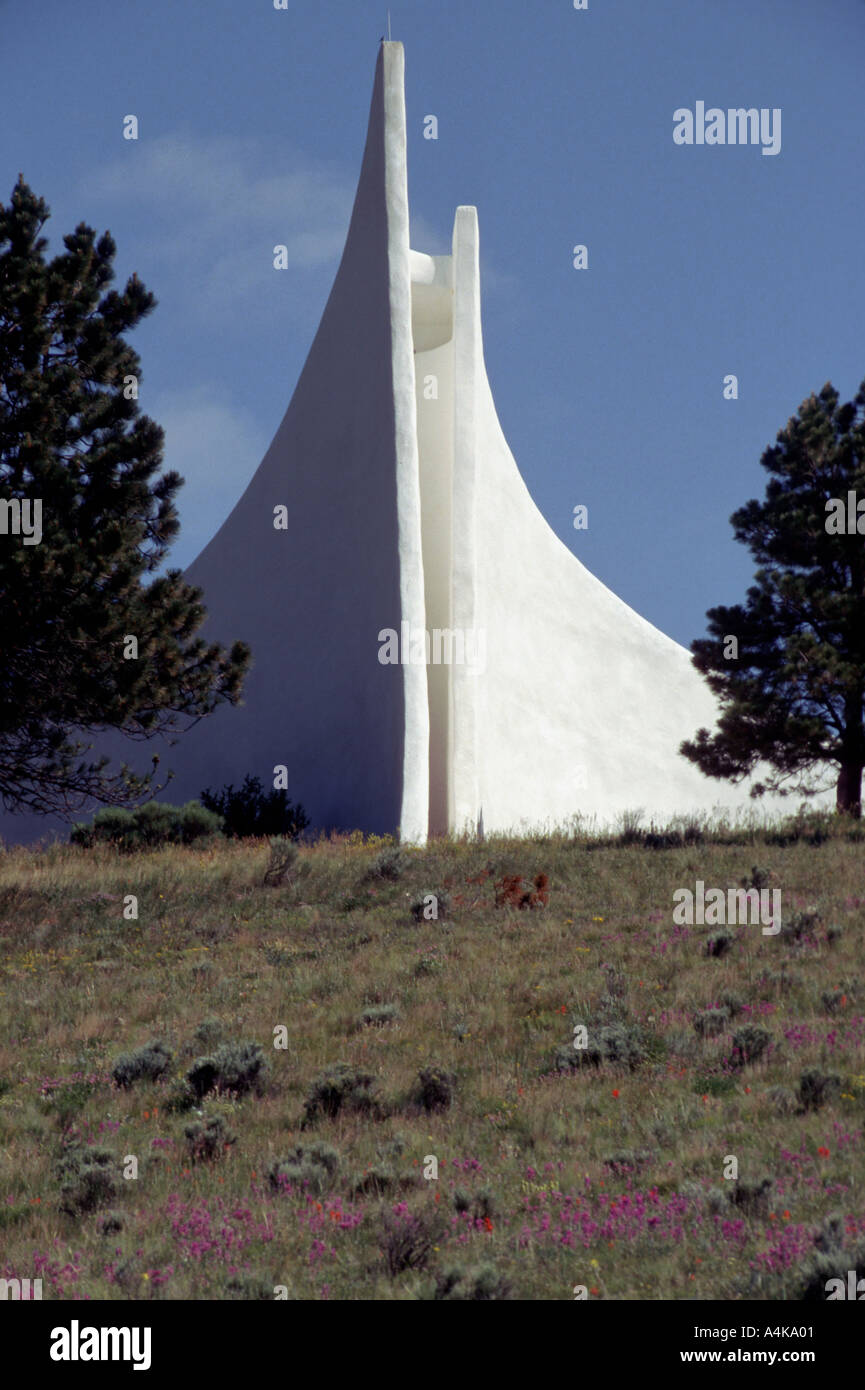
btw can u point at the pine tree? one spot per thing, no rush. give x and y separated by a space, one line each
793 695
72 441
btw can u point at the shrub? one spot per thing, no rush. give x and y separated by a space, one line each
474 1285
391 864
834 999
708 1023
341 1087
67 1101
422 910
626 1161
427 965
283 854
513 891
481 1205
801 927
234 1067
180 1098
719 943
831 1259
620 1044
435 1087
87 1179
210 1032
760 878
249 1286
377 1015
146 1063
752 1197
717 1201
207 1140
749 1044
817 1088
782 1100
309 1166
407 1238
249 811
147 827
733 1003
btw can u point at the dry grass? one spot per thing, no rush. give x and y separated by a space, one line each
608 1177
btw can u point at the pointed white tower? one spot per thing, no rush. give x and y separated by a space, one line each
406 513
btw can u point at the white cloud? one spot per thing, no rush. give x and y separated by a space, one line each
212 210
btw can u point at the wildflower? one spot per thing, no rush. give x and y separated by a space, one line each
823 1151
616 1095
488 1225
594 1291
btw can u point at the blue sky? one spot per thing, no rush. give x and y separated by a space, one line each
557 124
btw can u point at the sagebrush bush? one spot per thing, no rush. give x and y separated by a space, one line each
817 1088
749 1044
283 856
210 1032
719 943
431 907
625 1161
208 1139
390 864
249 1286
235 1068
752 1197
619 1043
377 1015
482 1283
341 1087
87 1178
407 1238
147 827
145 1064
435 1087
801 928
835 1253
481 1205
312 1167
708 1023
782 1100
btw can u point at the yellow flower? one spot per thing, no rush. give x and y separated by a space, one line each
593 1263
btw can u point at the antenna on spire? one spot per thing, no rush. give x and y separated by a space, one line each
388 26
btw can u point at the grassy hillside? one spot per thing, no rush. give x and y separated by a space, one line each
604 1168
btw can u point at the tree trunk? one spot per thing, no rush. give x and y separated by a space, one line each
848 799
